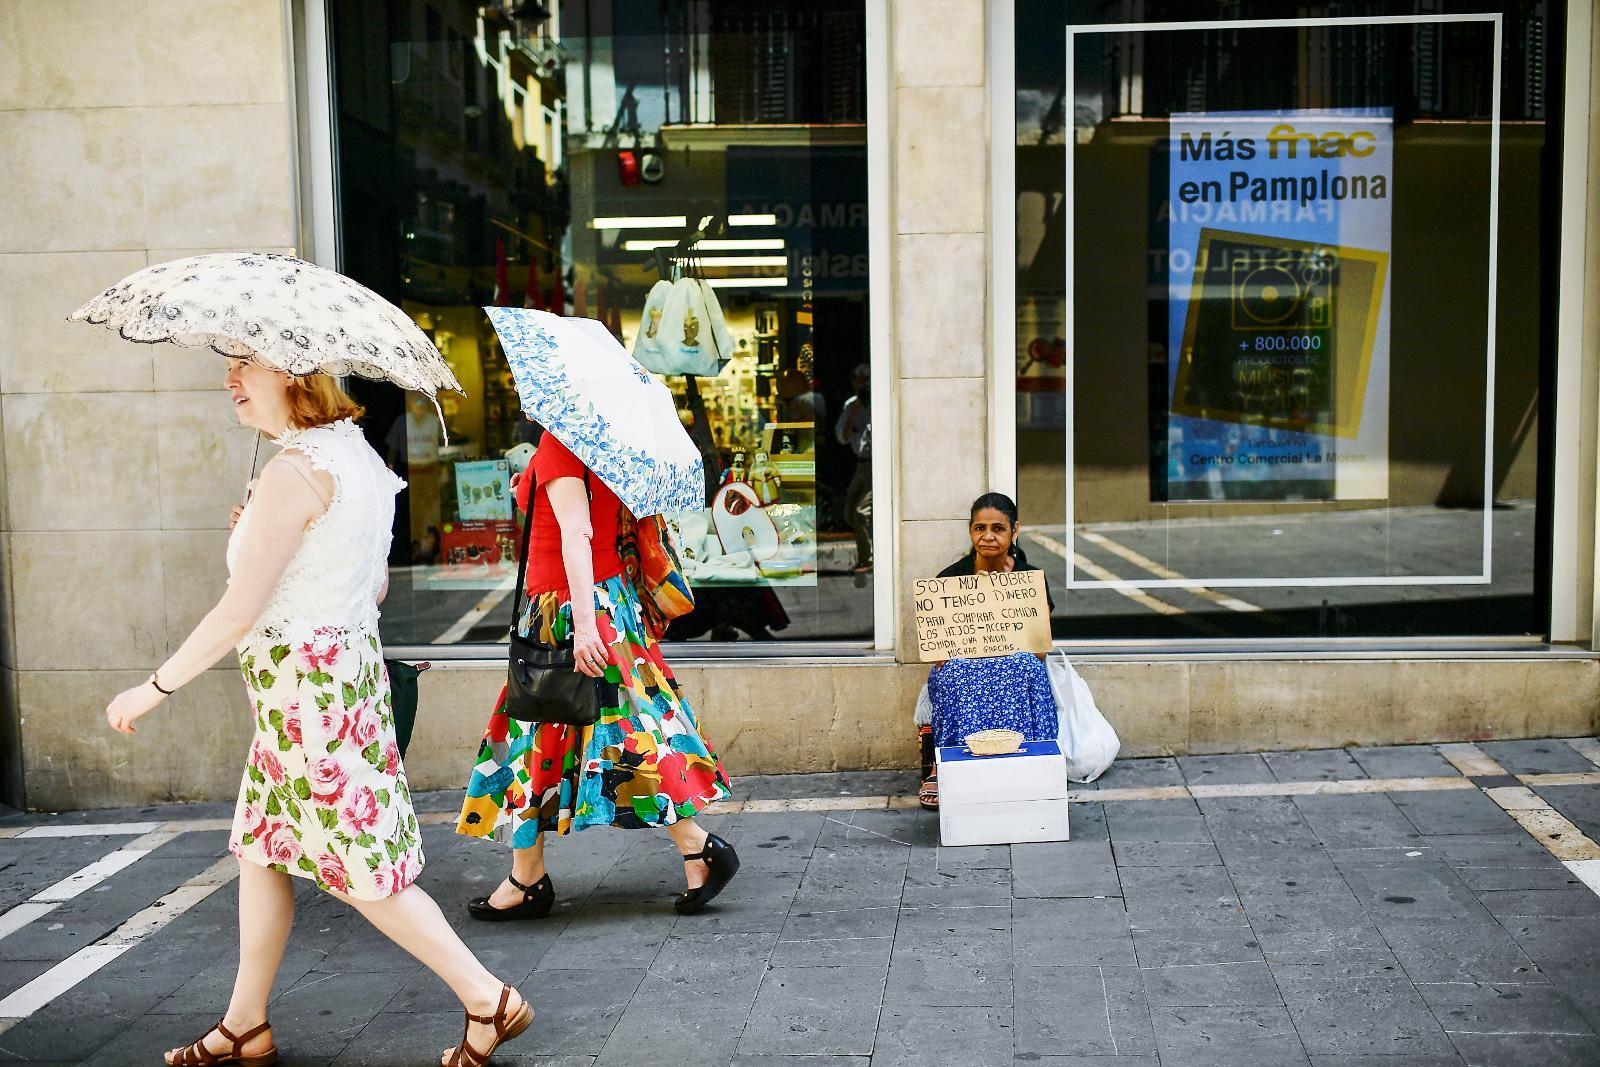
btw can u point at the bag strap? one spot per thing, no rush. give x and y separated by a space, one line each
527 536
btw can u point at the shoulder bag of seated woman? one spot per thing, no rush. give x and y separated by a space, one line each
543 683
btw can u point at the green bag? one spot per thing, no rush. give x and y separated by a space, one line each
403 698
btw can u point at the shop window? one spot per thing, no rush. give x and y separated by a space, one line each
570 157
1283 294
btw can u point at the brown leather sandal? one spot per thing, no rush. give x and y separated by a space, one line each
197 1055
505 1029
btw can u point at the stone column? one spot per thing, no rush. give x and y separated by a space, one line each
134 134
940 278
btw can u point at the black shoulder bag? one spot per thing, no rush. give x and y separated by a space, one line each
543 683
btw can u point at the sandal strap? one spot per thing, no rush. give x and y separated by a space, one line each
467 1056
498 1020
526 890
239 1040
197 1055
705 851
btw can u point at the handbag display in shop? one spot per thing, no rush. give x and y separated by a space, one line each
682 329
542 682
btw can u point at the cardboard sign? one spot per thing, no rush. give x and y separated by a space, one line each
971 616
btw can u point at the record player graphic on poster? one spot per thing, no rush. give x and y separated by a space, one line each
1278 348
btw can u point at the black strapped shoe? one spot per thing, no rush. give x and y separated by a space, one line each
722 863
537 900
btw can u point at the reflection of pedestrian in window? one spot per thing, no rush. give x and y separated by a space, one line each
723 613
996 692
854 429
801 400
414 438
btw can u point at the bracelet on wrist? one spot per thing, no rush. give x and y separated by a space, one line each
154 681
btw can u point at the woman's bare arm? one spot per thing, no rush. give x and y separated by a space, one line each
569 499
284 504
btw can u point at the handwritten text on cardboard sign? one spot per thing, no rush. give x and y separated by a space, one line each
992 613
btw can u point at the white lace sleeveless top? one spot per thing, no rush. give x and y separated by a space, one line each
333 580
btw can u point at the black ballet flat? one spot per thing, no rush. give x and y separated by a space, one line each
722 863
537 900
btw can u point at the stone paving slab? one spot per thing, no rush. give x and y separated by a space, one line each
1416 928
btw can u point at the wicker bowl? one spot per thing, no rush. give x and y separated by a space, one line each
993 742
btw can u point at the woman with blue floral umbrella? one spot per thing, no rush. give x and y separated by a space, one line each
613 452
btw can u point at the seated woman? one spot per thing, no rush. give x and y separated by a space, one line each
997 692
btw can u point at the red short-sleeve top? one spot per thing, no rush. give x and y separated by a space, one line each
546 570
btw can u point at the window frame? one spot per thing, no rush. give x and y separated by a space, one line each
1571 544
316 205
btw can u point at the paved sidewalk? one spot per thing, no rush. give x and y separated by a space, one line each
1347 908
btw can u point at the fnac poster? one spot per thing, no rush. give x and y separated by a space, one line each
1278 241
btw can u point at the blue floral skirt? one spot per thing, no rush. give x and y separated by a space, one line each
999 692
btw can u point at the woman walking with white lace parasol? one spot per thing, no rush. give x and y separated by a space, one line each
324 795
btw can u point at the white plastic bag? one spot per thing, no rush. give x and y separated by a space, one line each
923 715
1087 740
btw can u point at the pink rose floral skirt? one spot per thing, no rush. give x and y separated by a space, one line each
324 795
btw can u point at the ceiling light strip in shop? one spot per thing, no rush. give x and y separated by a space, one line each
743 261
640 222
745 244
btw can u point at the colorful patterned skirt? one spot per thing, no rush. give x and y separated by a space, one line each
643 764
324 795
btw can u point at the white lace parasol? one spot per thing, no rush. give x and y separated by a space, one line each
276 310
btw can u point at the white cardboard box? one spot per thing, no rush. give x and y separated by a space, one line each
1001 800
1009 822
1037 771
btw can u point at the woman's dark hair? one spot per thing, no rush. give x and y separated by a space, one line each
999 502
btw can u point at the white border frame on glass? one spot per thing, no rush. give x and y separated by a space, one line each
316 180
880 319
316 176
1573 502
1003 284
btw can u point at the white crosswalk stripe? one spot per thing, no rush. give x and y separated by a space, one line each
91 958
47 900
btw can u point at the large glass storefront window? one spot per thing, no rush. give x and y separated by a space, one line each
1283 294
691 174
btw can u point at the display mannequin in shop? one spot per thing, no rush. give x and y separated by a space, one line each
645 763
324 796
412 449
996 692
854 429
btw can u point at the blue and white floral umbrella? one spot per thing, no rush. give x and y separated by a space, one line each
579 383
